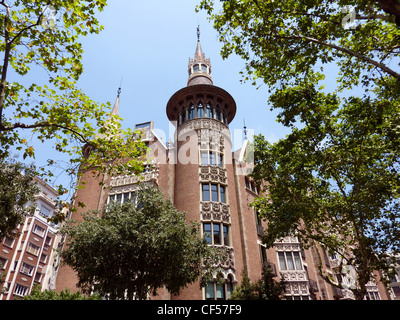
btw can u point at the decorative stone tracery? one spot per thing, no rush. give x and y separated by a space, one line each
213 174
214 211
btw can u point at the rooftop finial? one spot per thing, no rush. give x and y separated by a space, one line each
198 33
245 129
119 89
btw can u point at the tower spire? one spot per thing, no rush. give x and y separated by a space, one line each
199 67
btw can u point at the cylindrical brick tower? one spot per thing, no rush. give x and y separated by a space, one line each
204 175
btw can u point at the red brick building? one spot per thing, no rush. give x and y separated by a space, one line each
203 176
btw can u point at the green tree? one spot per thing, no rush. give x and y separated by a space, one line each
38 294
246 290
129 251
17 191
266 288
286 41
44 36
334 180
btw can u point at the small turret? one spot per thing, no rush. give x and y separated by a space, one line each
199 67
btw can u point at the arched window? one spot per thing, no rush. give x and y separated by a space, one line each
204 68
196 68
192 112
183 116
200 111
218 114
209 111
219 289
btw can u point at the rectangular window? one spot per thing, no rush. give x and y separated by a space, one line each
220 290
220 160
39 230
9 242
33 249
204 158
222 194
192 111
247 183
207 232
126 197
210 291
20 290
183 116
217 233
119 198
27 269
282 262
3 263
38 277
218 114
290 261
200 111
209 111
297 260
214 192
43 258
226 235
206 191
212 159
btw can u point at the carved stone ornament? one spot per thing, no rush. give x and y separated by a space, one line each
219 129
129 180
287 247
228 258
297 288
294 275
214 211
212 174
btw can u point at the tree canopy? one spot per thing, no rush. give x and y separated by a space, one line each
17 195
286 41
44 36
38 294
266 288
334 180
129 251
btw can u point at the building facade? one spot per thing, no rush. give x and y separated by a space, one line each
208 180
31 258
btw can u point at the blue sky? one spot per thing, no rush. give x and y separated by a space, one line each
147 44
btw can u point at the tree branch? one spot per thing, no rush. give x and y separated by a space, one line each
344 50
19 125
